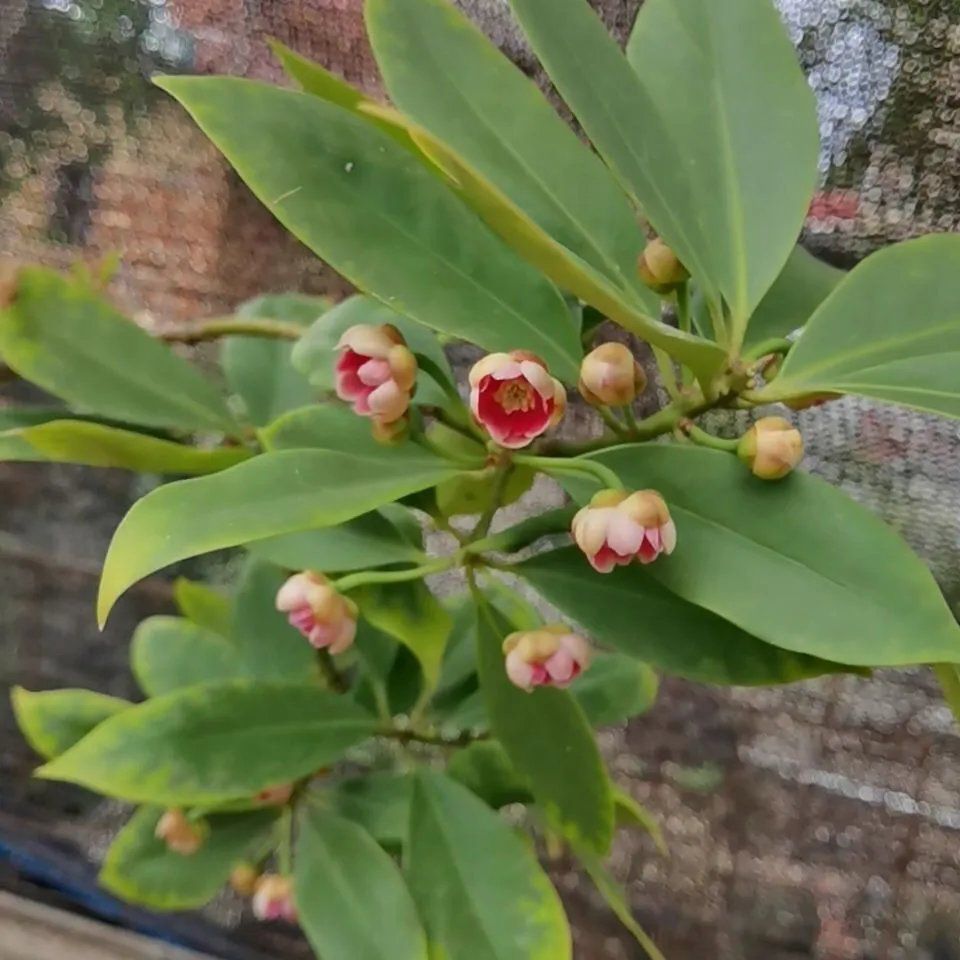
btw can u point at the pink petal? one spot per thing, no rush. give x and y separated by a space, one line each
668 537
344 637
388 401
294 593
374 372
540 676
520 673
624 535
322 635
649 550
561 667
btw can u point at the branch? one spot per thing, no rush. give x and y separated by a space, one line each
216 327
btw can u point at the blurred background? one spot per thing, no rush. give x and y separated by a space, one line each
820 820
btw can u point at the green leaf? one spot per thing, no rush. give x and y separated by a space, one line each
631 813
97 445
302 308
267 647
202 745
634 311
15 417
340 874
628 609
54 334
485 769
889 331
139 868
803 284
445 74
269 495
480 891
614 689
202 605
322 426
261 373
378 802
315 354
719 150
548 739
410 613
168 653
949 676
377 215
768 557
52 721
470 492
367 542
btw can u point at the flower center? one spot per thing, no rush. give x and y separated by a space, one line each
514 395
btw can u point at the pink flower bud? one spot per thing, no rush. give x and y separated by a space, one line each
376 372
327 619
178 833
551 656
514 398
659 267
610 376
273 899
771 448
618 528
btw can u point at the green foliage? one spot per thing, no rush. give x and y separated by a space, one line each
340 874
52 721
213 742
374 776
479 890
54 334
139 867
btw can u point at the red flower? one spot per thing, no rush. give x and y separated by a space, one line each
376 372
514 398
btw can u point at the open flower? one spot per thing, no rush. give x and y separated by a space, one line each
273 898
771 448
610 376
551 656
514 398
178 833
376 372
326 618
617 528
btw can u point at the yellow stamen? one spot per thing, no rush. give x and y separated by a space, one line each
514 395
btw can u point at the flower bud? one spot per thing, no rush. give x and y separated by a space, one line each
273 898
514 398
327 619
610 376
178 833
617 528
771 448
243 879
275 796
659 267
376 372
551 656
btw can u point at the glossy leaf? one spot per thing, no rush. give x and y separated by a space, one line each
628 609
203 605
14 417
377 215
479 889
367 542
53 334
803 284
271 494
379 802
634 310
445 74
52 721
260 370
614 689
98 445
768 557
315 354
202 745
267 647
340 875
139 868
410 613
549 741
633 814
168 653
486 770
889 331
720 151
